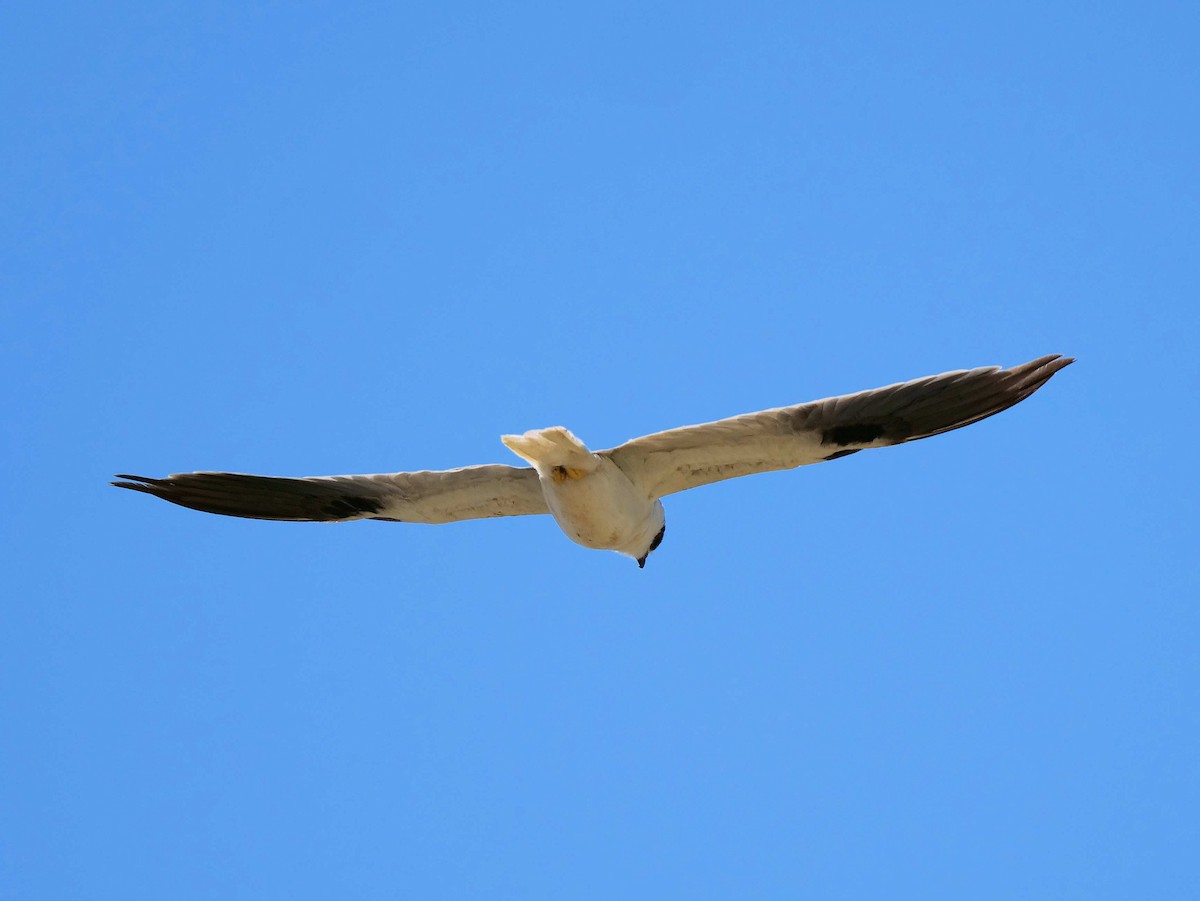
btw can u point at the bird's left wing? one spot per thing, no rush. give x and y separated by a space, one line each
786 437
472 492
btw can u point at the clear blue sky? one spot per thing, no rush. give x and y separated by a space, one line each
306 238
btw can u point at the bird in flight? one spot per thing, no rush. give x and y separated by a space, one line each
612 499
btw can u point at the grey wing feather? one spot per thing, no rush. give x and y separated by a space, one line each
472 492
786 437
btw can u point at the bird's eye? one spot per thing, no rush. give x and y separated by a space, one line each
657 539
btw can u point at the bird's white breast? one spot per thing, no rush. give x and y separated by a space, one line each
601 508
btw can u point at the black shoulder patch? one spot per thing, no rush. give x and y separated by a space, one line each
858 433
657 539
352 505
842 453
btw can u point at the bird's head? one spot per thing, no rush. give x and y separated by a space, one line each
655 542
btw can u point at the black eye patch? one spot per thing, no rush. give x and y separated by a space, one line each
657 539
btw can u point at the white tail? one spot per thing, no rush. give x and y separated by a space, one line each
549 448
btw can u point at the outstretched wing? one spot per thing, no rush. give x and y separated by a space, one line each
786 437
473 492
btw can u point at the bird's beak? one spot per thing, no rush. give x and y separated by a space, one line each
642 562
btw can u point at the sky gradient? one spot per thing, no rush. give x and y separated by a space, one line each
316 238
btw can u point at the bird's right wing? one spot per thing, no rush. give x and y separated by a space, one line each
786 437
472 492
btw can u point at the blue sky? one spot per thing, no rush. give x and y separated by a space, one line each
314 238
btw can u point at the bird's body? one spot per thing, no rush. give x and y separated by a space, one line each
610 499
593 501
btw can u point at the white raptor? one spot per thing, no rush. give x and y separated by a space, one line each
611 499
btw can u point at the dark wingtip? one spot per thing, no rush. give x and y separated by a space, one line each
258 497
1056 361
135 483
1037 372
